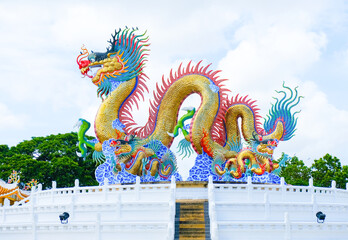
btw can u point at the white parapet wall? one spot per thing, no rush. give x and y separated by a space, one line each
136 211
258 211
147 211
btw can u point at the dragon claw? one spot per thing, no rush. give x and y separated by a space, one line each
188 108
170 134
78 124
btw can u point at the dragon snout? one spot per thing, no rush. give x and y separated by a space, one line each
83 66
84 63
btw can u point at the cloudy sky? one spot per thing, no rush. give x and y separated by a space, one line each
256 44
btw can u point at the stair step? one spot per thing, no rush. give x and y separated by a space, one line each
185 219
191 210
194 214
192 237
192 220
192 226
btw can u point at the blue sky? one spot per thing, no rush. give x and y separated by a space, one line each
257 45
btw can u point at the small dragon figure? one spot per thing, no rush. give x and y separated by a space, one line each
14 177
119 76
143 160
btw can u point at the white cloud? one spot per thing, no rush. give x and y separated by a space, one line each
321 127
9 120
270 51
262 44
274 56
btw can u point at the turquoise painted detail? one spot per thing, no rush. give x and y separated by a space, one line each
185 148
282 164
281 111
83 143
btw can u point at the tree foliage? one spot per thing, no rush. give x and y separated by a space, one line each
329 168
47 159
323 171
296 172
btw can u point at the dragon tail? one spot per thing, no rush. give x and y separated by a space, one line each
168 166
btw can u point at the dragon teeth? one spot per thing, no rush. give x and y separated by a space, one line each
94 70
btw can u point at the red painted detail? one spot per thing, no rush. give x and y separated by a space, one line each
113 143
127 119
263 167
129 164
239 171
118 134
205 144
147 166
83 62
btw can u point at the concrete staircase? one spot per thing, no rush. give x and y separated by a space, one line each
192 220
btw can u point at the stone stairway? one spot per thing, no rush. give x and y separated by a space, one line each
192 220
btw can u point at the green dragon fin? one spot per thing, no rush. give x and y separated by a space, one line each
180 125
83 143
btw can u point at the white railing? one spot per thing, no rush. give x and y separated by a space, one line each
242 211
287 230
250 192
149 208
147 211
212 211
172 204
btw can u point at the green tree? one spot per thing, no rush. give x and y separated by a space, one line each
47 159
329 168
296 172
4 151
29 168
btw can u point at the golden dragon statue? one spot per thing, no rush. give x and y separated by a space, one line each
121 82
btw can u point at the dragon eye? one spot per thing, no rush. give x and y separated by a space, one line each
91 57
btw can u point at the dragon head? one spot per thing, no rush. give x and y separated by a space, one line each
123 60
267 147
263 148
123 148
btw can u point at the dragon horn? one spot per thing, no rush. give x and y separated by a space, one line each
277 133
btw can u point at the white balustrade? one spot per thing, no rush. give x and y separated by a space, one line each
130 211
212 211
247 211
